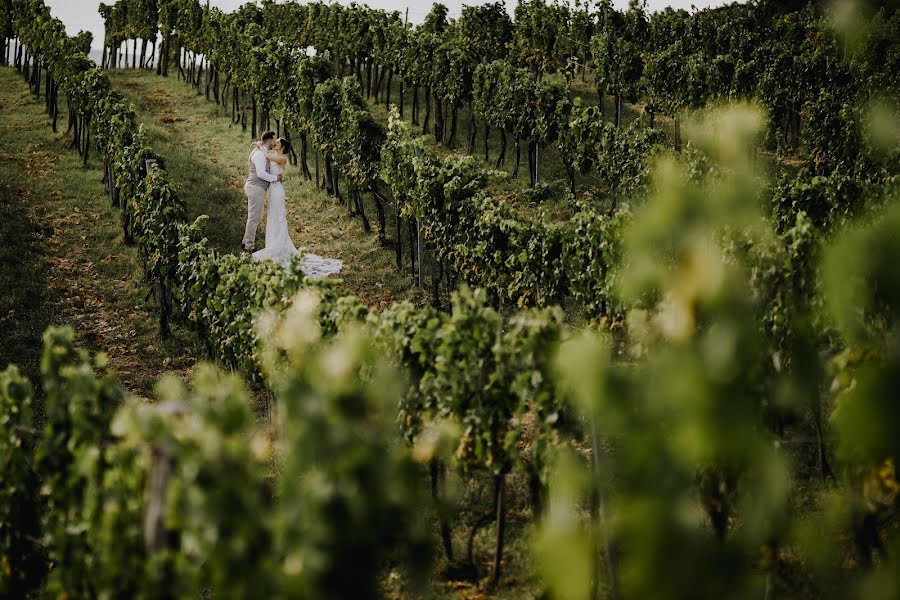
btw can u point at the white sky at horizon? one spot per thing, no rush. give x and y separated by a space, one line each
84 15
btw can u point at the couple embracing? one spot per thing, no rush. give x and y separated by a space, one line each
267 162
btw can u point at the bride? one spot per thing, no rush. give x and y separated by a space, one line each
279 246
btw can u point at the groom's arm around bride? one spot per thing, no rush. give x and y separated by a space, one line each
257 183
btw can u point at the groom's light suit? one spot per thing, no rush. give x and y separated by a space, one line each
256 186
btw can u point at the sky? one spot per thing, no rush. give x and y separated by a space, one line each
82 14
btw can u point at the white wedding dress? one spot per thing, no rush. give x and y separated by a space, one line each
279 246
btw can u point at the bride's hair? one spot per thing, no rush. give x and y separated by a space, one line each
286 146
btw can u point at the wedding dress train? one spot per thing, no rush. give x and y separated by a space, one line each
280 247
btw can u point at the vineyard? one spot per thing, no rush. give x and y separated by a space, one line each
656 360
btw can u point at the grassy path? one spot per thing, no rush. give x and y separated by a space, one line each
62 258
207 156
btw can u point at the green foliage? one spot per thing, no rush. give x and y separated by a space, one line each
721 299
717 53
593 269
514 100
861 293
861 284
6 17
452 72
525 262
131 19
675 439
618 63
205 493
436 20
541 42
519 261
69 457
346 131
626 156
486 30
349 494
21 561
221 296
178 495
675 78
827 200
479 373
826 114
580 135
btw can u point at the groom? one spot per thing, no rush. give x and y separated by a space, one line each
256 187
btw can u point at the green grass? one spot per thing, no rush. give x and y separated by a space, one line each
206 156
62 258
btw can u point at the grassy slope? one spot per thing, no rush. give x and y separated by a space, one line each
62 259
207 158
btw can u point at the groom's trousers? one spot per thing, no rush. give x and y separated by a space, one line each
256 197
